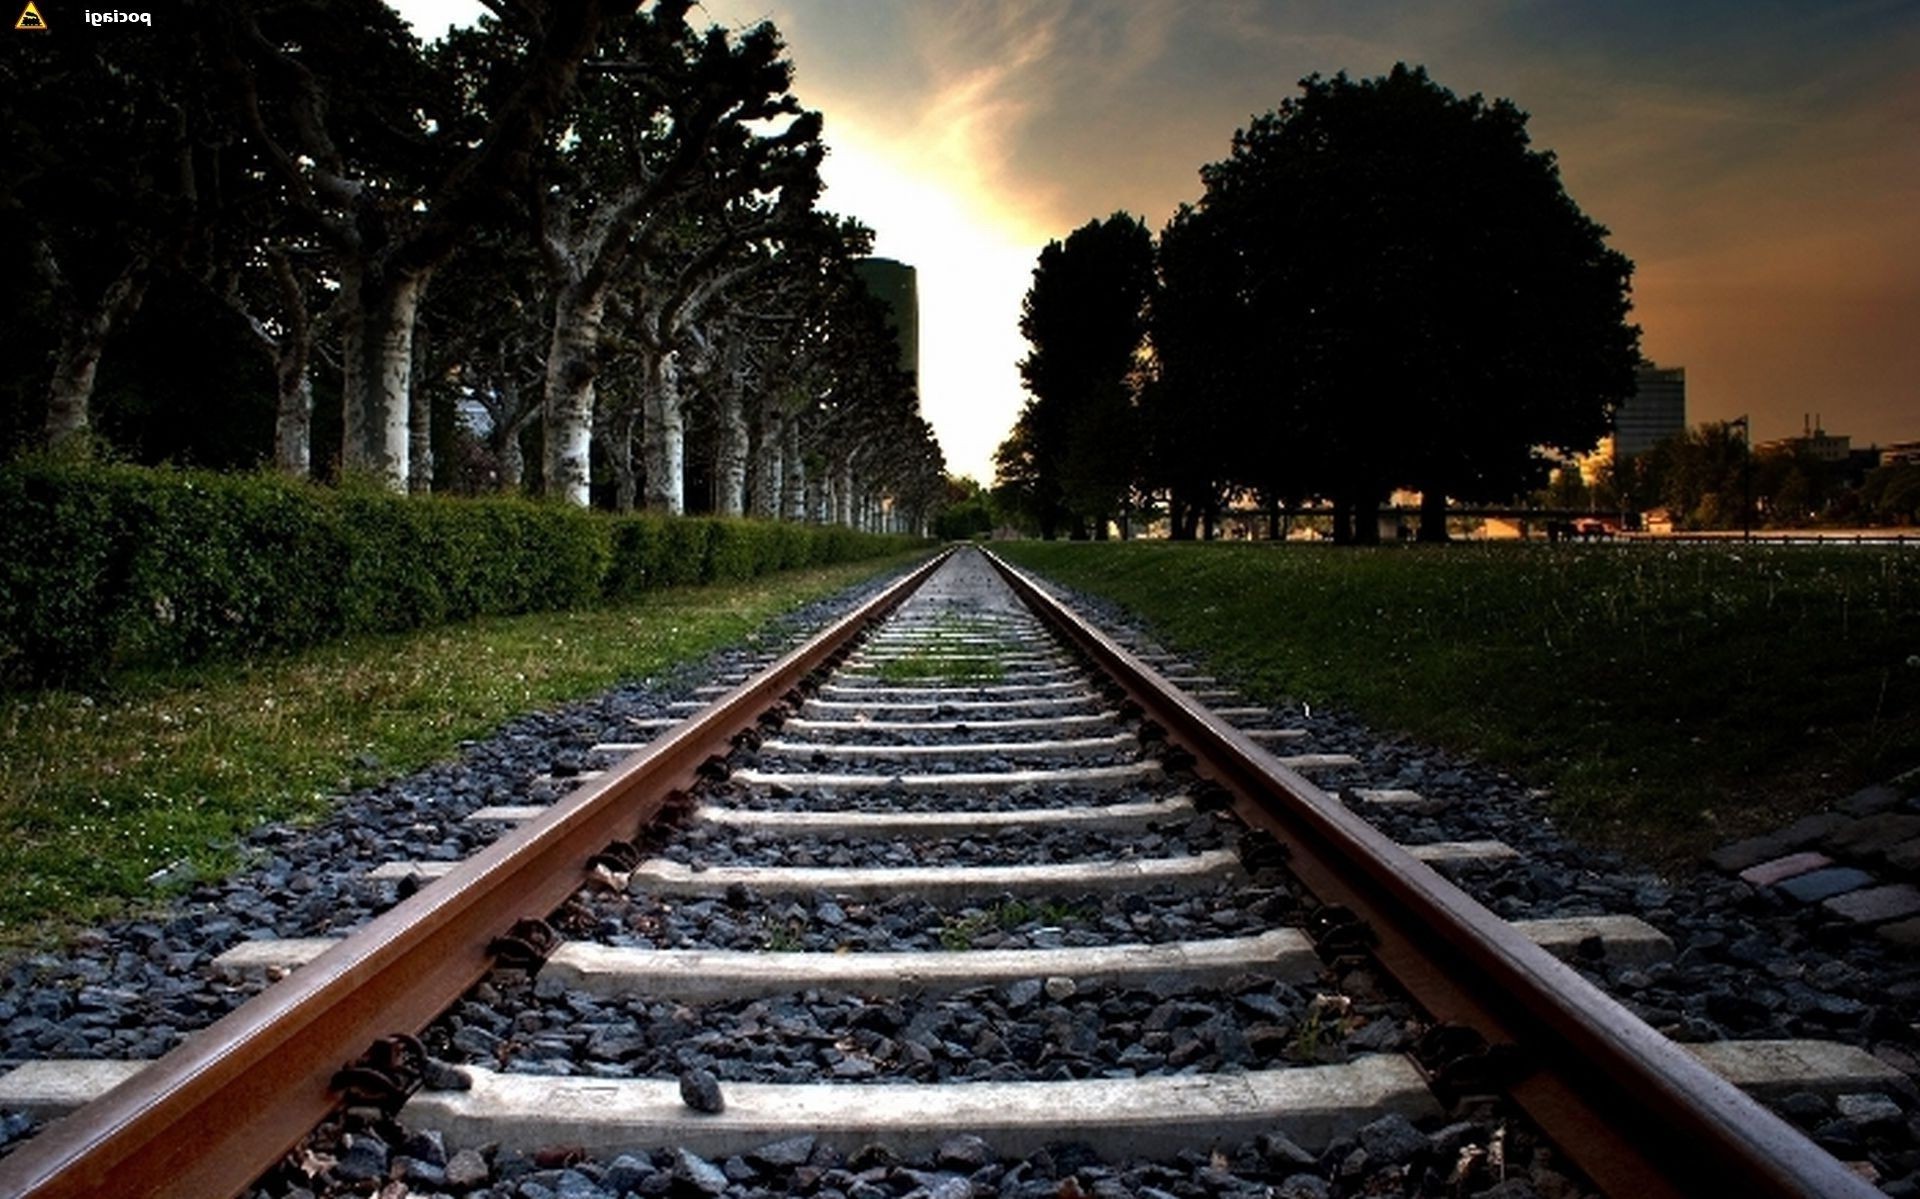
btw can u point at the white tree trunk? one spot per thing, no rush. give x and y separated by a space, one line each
419 443
794 481
82 342
618 439
767 494
571 368
663 438
378 378
843 494
293 420
513 463
730 473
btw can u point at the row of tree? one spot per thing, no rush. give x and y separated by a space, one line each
1706 478
553 247
1384 286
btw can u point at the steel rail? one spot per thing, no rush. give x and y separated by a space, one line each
212 1116
1638 1113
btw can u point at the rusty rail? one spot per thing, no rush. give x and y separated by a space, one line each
1639 1114
213 1115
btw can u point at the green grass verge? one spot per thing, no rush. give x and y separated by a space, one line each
98 792
1671 697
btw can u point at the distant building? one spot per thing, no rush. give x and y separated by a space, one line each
1657 411
1900 453
896 285
1814 441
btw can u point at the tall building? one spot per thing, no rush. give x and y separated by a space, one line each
1657 411
896 285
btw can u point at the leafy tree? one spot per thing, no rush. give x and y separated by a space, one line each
107 142
659 162
969 510
1432 308
1085 318
1892 494
390 165
1702 476
1207 418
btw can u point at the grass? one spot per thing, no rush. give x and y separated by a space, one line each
922 666
958 932
1672 698
101 793
953 653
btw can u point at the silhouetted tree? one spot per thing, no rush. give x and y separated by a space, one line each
1085 318
1433 309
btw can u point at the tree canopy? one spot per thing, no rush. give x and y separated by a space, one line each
1084 316
517 257
1383 286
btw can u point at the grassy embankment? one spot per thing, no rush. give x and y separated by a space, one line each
1673 698
98 792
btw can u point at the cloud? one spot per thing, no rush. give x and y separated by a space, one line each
1756 160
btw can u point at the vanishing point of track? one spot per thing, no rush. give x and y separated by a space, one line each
935 712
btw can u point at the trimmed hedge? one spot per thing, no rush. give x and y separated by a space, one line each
107 566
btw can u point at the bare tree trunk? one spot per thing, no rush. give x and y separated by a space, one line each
83 340
292 354
379 374
730 453
843 493
419 422
572 363
663 437
626 480
794 479
293 419
513 462
767 468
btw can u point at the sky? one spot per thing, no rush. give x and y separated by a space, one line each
1759 160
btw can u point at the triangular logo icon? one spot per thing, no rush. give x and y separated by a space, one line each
30 18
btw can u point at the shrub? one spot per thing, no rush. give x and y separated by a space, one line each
102 566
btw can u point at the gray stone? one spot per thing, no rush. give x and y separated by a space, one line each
1303 1186
1868 1109
422 1176
1022 993
943 1186
467 1170
1392 1139
572 1184
1903 932
964 1152
362 1160
427 1146
1825 884
782 1155
1905 856
1872 835
1817 827
627 1173
700 1090
1877 905
698 1173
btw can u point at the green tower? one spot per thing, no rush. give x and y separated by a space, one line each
896 285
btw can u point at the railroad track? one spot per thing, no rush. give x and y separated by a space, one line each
961 867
